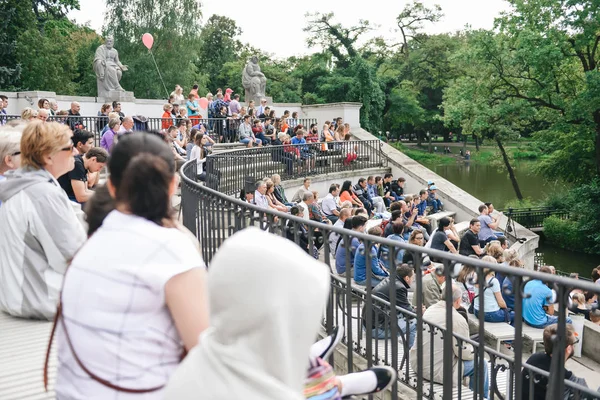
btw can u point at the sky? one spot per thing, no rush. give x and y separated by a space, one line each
277 26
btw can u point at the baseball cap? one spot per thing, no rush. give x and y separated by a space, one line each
429 183
433 187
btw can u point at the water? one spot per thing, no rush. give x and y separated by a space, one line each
488 184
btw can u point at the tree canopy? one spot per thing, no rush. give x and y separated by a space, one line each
535 74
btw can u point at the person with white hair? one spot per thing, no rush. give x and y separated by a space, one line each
10 149
43 114
126 126
433 364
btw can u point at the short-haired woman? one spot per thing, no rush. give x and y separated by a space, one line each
39 231
134 297
109 138
494 306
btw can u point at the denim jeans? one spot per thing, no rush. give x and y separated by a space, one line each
374 282
469 370
497 316
379 333
550 319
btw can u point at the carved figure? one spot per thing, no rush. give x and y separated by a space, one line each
253 80
108 68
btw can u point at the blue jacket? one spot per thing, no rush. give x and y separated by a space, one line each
340 255
360 261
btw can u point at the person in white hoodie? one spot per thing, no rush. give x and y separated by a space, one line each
39 231
266 298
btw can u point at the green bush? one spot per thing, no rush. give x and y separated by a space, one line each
563 233
582 231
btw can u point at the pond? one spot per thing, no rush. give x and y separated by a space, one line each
488 184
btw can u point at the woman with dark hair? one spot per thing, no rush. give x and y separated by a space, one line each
439 240
347 194
136 288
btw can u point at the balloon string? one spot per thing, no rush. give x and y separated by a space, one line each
159 75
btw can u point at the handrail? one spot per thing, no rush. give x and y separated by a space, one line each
229 171
213 215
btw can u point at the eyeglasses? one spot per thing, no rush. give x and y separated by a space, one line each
68 148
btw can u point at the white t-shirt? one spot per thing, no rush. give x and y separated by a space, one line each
195 155
328 205
115 311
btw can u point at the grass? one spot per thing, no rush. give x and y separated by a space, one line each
423 156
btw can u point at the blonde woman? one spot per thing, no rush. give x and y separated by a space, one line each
28 114
39 230
494 306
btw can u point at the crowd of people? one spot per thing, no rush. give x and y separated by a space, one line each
149 300
382 204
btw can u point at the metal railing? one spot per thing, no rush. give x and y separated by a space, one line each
228 172
214 216
221 130
534 217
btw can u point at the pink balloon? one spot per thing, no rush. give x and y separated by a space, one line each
203 102
148 40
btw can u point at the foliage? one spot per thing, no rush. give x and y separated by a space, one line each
218 45
563 233
175 26
582 231
537 73
423 156
23 36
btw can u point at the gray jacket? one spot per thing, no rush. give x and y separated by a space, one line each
39 234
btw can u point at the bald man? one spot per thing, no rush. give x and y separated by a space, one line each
74 118
126 126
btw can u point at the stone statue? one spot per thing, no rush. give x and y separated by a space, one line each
108 69
254 81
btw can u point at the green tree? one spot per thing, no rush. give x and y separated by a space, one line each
175 26
19 21
353 77
217 46
546 54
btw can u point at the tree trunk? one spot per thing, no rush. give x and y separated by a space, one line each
476 142
419 139
597 121
511 173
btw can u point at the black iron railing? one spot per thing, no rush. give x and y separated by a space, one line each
534 217
221 130
228 172
214 216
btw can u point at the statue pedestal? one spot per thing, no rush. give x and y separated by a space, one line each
120 96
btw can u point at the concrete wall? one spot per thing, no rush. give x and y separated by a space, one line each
350 112
90 106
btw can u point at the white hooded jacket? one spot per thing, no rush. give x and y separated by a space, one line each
39 234
266 300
